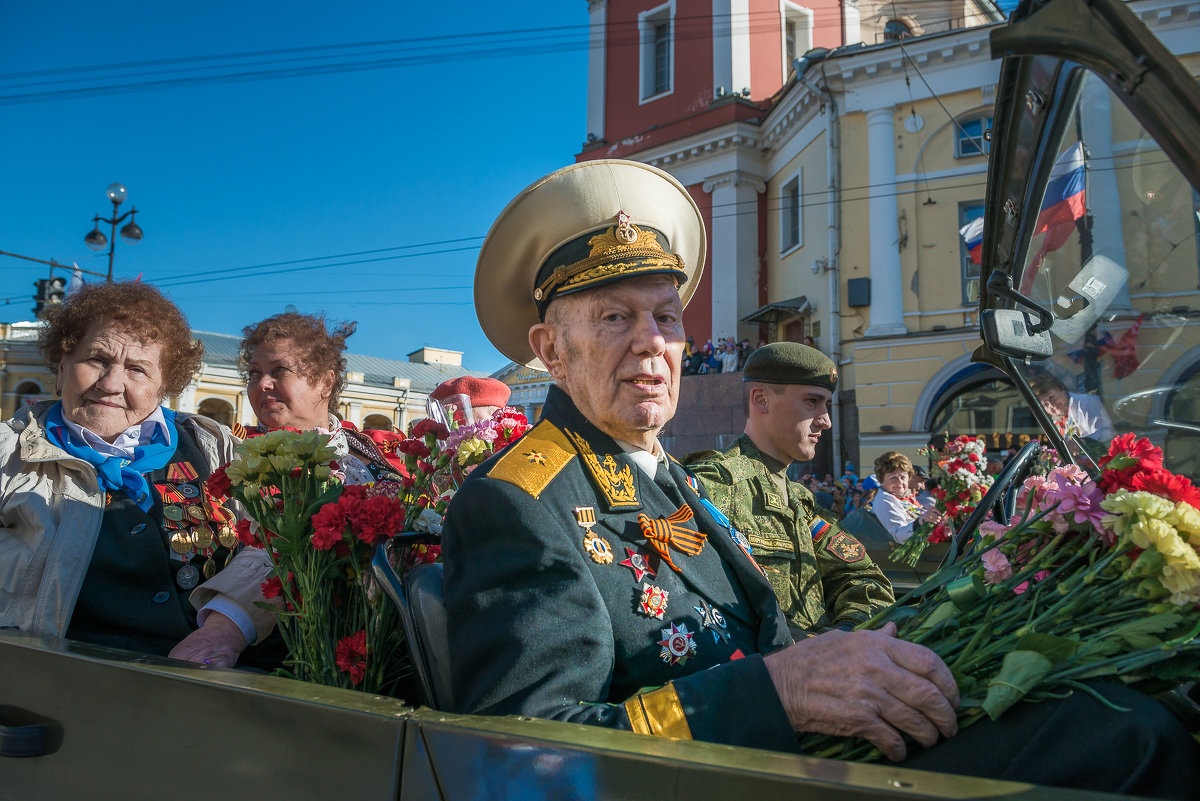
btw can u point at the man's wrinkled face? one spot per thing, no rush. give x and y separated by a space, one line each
617 350
796 416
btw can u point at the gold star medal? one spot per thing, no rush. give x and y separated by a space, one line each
596 546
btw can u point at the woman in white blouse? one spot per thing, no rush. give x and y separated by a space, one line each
895 505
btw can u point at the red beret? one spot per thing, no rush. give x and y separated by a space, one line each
481 391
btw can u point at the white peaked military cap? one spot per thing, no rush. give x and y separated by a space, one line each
581 227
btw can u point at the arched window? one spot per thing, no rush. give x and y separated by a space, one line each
28 393
985 404
895 30
378 422
216 409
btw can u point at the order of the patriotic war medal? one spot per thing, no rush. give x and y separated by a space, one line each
653 602
677 644
639 563
596 546
188 576
713 620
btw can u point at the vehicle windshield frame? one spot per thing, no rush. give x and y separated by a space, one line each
1042 47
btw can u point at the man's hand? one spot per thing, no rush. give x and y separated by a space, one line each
218 642
866 684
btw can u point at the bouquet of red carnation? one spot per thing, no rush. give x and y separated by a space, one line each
439 457
319 536
1097 579
962 482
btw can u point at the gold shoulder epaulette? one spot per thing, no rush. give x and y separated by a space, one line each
534 460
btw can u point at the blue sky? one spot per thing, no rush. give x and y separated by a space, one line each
230 175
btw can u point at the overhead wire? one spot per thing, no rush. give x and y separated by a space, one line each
457 47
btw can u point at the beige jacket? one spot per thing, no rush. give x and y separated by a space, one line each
50 510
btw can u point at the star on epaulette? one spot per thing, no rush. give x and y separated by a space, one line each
535 458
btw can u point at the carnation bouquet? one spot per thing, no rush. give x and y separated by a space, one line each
1097 579
440 456
319 536
962 482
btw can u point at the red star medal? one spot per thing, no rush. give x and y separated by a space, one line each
677 644
639 563
654 601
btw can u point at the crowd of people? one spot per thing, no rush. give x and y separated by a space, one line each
727 356
589 577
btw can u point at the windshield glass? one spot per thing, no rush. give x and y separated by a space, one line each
1114 257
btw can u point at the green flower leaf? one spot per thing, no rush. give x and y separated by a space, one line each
1019 674
1056 649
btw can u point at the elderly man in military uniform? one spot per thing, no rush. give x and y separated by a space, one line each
822 575
587 579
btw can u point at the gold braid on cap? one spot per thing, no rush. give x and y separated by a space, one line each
623 249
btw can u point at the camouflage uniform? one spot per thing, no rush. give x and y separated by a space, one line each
822 576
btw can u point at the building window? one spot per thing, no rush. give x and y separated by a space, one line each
657 68
895 30
797 33
968 213
970 140
216 409
791 233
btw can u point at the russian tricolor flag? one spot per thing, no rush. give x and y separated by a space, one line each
1062 206
972 234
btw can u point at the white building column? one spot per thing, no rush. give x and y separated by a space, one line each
597 65
734 251
187 398
731 45
883 214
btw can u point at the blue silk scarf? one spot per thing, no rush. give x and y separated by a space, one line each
114 472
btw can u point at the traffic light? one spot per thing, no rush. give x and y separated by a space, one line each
50 292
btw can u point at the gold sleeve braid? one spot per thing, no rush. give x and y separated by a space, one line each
658 713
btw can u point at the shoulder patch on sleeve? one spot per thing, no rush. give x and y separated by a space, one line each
845 547
535 459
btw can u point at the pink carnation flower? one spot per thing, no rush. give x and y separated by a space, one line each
996 567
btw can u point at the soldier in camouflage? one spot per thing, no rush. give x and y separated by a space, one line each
822 575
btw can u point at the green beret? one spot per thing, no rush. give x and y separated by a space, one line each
791 363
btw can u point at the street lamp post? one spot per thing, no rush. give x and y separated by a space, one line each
131 232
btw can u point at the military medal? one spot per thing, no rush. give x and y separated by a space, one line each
202 537
189 491
188 576
654 601
226 536
196 513
713 620
677 644
210 568
596 546
181 542
639 563
173 512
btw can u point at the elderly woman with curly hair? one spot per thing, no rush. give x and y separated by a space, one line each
295 369
896 505
105 526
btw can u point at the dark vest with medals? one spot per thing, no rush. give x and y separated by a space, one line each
145 564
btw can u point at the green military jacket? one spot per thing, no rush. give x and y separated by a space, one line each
822 575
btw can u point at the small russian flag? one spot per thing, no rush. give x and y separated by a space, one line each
819 528
972 234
